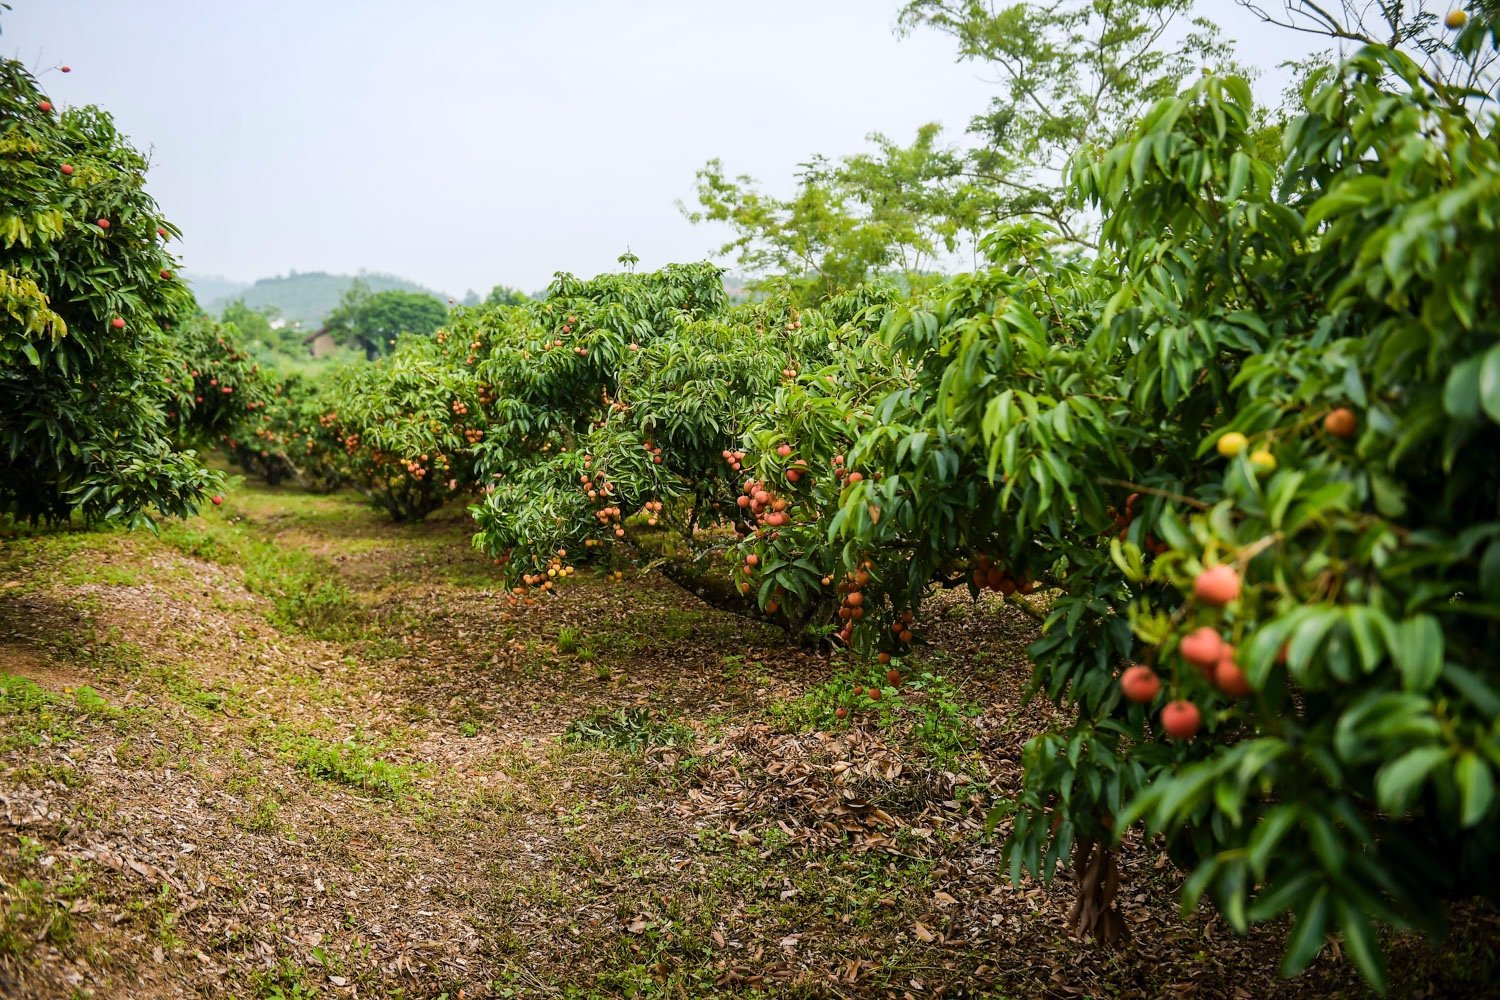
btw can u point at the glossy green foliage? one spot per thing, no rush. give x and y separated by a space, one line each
1335 304
288 436
219 390
85 285
619 395
405 427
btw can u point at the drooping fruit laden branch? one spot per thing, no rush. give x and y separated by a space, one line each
719 592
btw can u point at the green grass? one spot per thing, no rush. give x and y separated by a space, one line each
29 914
33 715
348 762
927 708
303 590
31 910
286 980
627 729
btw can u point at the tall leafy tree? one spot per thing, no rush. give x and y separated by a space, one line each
503 295
1073 75
373 321
896 209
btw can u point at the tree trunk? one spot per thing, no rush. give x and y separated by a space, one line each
1094 913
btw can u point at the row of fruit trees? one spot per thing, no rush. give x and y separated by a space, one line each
1238 462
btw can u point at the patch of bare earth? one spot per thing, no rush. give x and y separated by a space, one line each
247 810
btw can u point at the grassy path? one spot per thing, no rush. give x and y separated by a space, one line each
289 750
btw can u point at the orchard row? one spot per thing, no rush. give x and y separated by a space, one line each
1225 460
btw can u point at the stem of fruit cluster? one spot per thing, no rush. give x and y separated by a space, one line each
1256 547
1138 488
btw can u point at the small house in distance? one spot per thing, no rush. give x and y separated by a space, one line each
320 344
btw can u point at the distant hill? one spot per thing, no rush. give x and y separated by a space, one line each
210 287
307 297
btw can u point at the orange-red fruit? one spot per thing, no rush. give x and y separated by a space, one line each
216 500
874 694
894 676
841 713
1229 678
1181 719
103 223
784 450
117 323
1217 585
752 560
45 106
66 69
884 658
1341 423
1202 647
1140 683
67 169
166 275
161 232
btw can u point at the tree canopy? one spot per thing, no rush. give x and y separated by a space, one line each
373 321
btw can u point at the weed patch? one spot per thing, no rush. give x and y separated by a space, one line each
349 763
627 729
927 708
34 715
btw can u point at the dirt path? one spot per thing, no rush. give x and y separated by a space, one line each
288 750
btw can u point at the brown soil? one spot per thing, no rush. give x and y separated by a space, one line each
214 797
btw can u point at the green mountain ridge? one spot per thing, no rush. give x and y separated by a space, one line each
304 297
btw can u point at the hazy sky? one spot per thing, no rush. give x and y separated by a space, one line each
461 144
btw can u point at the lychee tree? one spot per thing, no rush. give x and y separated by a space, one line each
219 391
285 437
85 283
402 427
625 395
1355 783
1234 446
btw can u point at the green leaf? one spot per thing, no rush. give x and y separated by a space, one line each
1489 383
1365 626
1476 787
1418 652
1307 934
1396 783
1273 826
1282 895
1360 943
1461 391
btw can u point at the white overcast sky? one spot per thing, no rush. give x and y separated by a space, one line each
464 144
